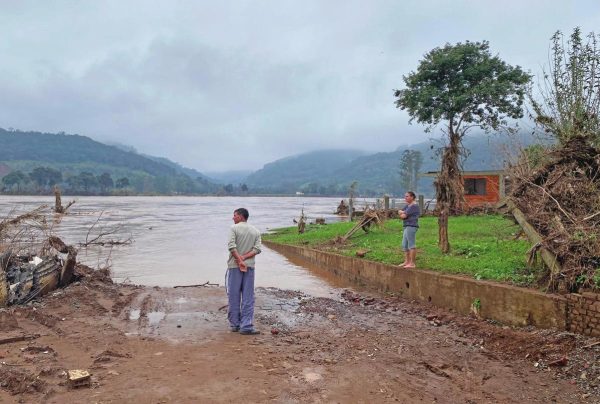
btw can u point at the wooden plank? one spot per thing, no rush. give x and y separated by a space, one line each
18 338
534 237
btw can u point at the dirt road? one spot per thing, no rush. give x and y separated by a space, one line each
172 345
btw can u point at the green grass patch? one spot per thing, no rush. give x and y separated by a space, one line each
483 247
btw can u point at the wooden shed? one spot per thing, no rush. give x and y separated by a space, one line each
481 187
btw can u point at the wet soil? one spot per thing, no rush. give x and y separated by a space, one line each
173 345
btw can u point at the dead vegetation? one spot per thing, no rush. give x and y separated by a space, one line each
97 235
370 216
58 207
34 261
560 197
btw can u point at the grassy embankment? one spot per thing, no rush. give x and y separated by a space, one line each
482 246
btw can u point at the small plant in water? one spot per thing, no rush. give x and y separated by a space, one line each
476 307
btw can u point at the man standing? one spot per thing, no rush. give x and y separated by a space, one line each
244 244
410 216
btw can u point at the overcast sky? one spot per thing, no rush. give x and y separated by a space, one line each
221 85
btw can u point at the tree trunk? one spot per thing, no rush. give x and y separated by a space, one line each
449 189
57 203
443 241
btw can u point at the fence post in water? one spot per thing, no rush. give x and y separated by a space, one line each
350 208
421 203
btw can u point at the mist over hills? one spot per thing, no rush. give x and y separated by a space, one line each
321 172
289 173
333 171
76 158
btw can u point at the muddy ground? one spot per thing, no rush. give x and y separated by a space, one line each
158 345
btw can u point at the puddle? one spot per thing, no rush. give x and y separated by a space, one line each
311 376
154 317
134 314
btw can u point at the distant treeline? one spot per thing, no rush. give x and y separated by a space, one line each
41 180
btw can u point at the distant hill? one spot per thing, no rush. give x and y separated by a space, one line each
333 171
228 177
190 172
72 155
81 161
289 174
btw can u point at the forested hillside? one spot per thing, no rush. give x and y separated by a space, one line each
32 162
37 161
333 171
289 174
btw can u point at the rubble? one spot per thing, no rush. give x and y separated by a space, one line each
560 200
31 263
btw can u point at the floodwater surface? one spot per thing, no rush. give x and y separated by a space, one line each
181 240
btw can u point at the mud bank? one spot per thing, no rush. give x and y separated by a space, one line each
173 345
500 302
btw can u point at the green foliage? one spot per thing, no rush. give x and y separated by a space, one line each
88 167
477 303
45 176
15 178
122 183
484 246
570 100
596 278
377 173
536 155
464 85
105 181
291 173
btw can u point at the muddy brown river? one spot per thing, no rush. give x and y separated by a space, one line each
182 240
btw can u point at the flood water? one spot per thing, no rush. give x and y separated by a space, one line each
182 240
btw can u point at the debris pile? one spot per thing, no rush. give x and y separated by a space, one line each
31 263
26 277
342 209
561 200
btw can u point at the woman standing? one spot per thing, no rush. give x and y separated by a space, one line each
410 215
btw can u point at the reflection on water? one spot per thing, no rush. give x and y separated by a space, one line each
182 240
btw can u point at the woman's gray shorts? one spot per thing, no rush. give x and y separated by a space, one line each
409 238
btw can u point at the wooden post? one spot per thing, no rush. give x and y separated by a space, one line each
350 208
533 236
57 203
421 203
4 289
386 204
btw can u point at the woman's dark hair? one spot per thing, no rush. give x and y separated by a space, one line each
411 193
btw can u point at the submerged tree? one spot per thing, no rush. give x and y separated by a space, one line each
464 86
570 90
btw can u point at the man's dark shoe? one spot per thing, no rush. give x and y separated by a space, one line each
234 329
249 332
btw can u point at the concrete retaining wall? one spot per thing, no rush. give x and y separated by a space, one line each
503 303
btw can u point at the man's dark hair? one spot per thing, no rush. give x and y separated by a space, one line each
411 193
242 212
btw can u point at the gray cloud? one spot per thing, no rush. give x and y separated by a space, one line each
233 86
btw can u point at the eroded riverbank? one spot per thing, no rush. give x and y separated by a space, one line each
173 345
